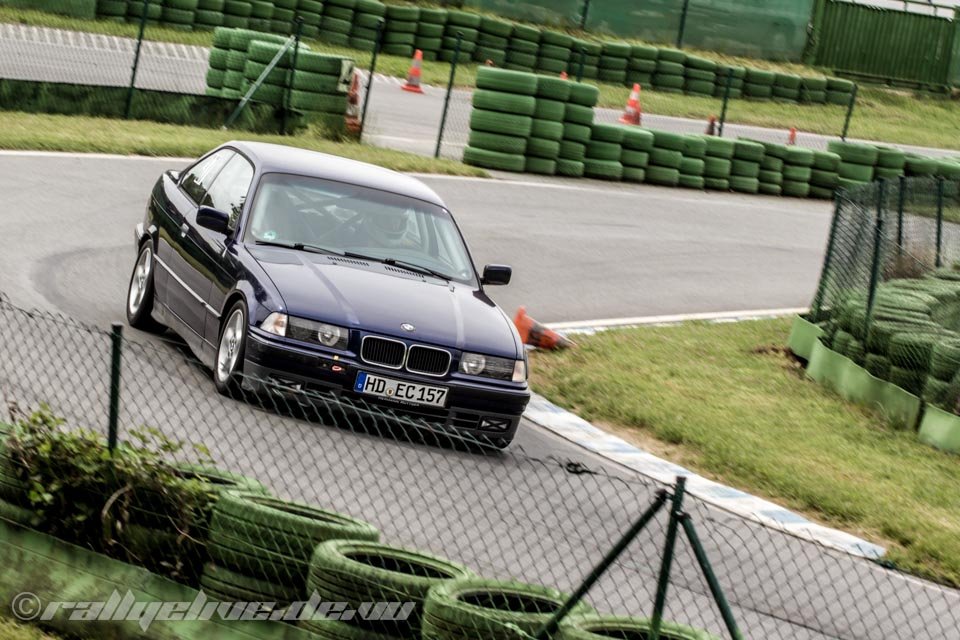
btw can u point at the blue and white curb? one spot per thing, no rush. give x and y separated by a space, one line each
577 430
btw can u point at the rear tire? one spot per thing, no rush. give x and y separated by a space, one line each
228 364
140 292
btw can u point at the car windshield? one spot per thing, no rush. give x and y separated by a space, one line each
349 219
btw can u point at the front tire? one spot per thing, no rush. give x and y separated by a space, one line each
228 365
140 292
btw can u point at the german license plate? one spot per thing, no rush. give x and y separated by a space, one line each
399 390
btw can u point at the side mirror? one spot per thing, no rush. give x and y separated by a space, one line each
494 274
213 219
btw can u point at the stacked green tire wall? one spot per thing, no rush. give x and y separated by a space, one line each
337 22
813 90
787 87
666 157
839 91
400 32
522 48
577 129
554 54
642 65
366 16
891 164
759 84
745 166
736 76
604 151
492 41
614 59
797 172
824 175
637 145
546 132
430 32
857 162
693 164
700 76
669 75
504 105
460 22
771 169
718 162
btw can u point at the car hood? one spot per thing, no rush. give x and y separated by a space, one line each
378 299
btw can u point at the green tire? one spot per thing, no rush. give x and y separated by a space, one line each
553 88
748 150
577 114
760 77
823 193
607 133
635 159
796 189
663 176
691 182
541 166
824 179
556 111
717 184
858 172
637 139
769 163
945 359
546 149
321 63
720 147
324 102
695 146
797 174
496 142
634 174
594 627
546 129
603 169
570 168
742 184
799 156
584 94
826 161
576 132
572 151
717 168
854 152
745 169
890 158
506 81
666 158
917 166
246 589
503 102
691 167
751 90
502 123
770 177
770 189
494 160
597 150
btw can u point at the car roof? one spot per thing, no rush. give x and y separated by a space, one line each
278 158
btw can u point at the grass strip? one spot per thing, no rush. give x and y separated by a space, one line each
725 400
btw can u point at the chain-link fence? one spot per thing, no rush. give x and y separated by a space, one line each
388 481
890 289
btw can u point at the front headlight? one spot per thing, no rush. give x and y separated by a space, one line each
322 333
276 323
476 364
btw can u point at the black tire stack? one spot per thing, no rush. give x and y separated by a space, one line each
693 164
482 609
718 163
786 87
642 65
891 163
460 22
503 105
839 91
400 32
320 86
236 14
179 14
637 145
771 168
367 15
523 48
577 129
546 132
797 172
857 162
493 41
603 152
554 54
736 83
666 158
263 546
358 572
337 22
614 59
700 77
430 31
813 90
745 168
759 84
825 177
209 14
669 76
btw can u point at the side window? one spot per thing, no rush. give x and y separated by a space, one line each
199 178
229 190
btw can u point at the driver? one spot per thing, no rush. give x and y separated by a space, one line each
385 227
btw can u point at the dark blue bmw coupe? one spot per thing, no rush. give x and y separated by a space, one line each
287 270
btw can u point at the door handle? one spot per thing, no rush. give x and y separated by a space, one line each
184 229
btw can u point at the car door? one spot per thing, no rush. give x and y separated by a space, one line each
213 266
180 294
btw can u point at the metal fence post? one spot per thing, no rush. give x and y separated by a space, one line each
827 262
583 14
116 350
583 59
711 577
136 61
550 627
676 510
726 101
940 183
373 70
877 244
298 21
901 198
850 106
682 30
446 101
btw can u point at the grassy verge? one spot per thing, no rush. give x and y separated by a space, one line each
42 132
10 630
724 400
886 115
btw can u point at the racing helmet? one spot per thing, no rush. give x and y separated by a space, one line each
387 225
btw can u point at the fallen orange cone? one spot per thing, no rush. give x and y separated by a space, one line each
416 71
536 334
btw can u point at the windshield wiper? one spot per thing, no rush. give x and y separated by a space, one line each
299 246
393 262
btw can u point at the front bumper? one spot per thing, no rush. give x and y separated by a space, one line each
484 411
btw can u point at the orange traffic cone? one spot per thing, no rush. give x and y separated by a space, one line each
413 78
631 114
792 140
563 75
353 104
534 333
712 126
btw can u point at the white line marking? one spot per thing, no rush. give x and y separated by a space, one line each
673 319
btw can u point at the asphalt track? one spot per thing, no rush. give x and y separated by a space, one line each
531 513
